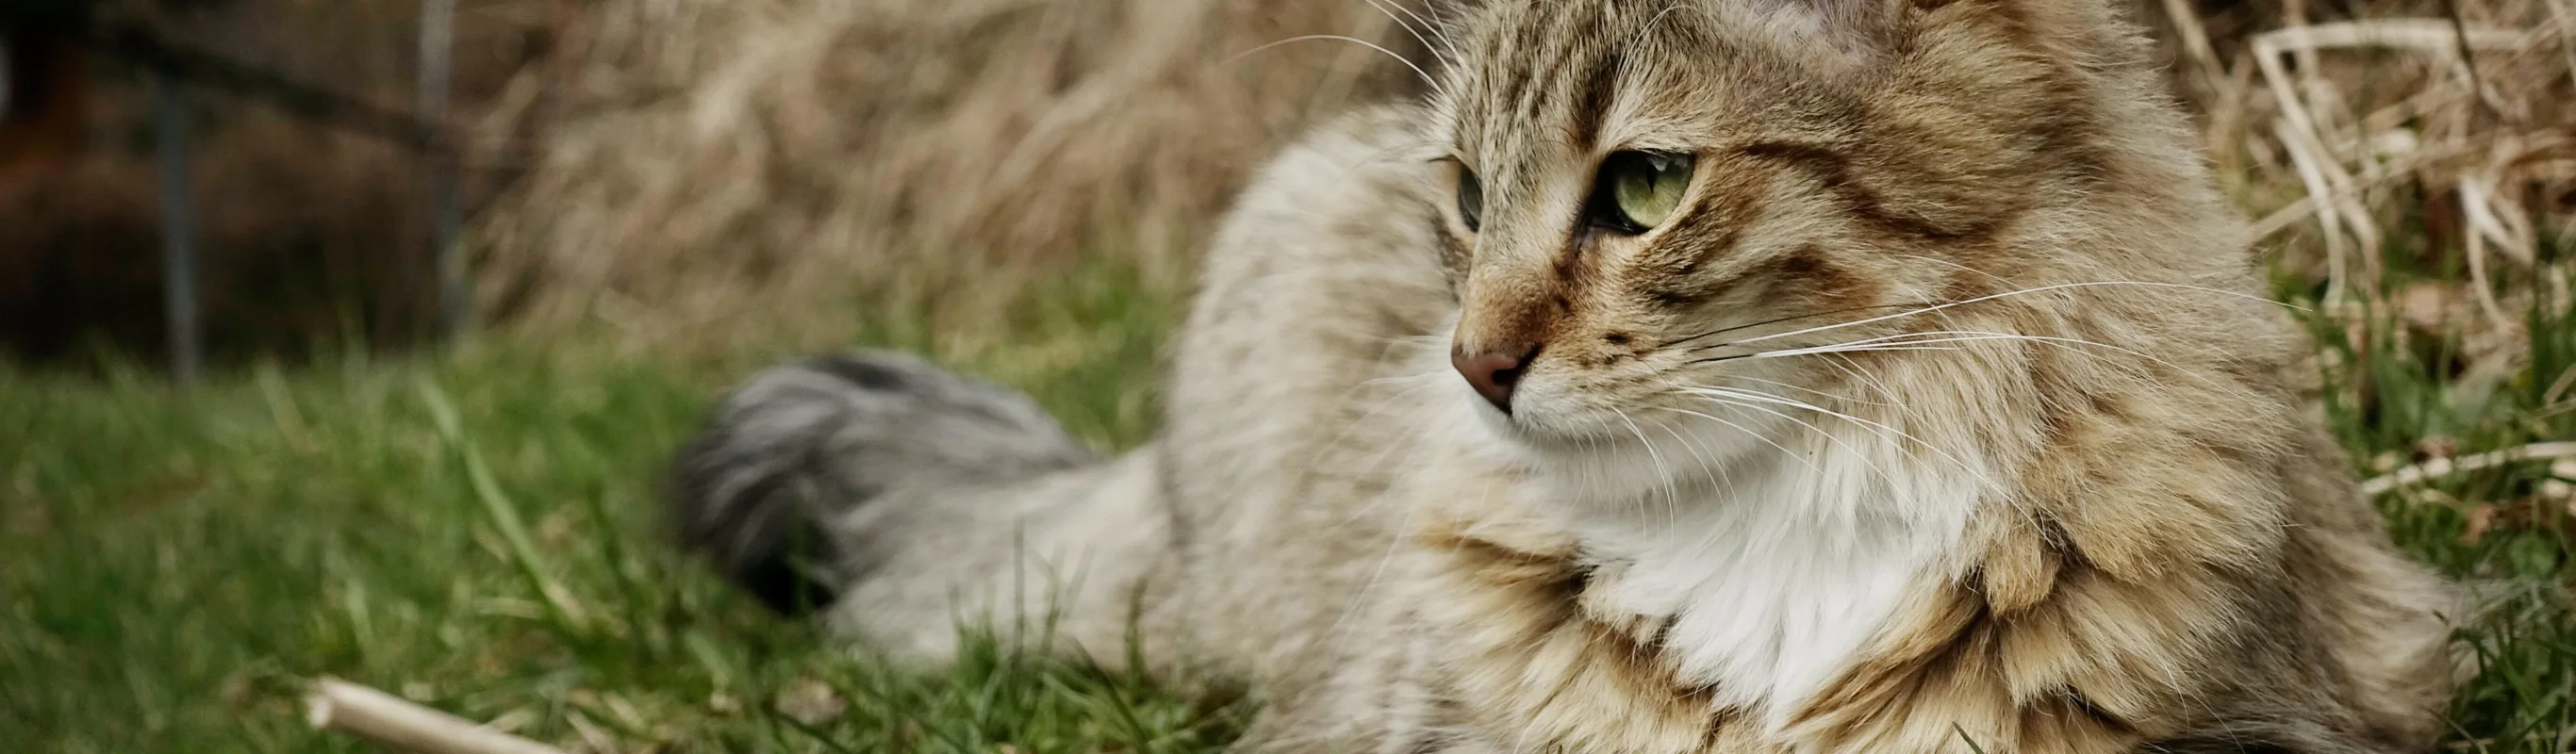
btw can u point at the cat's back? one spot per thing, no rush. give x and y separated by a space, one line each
1310 326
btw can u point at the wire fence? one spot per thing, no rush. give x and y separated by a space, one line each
172 71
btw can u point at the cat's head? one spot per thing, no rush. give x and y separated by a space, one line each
1657 198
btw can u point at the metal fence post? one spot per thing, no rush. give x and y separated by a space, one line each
178 233
437 36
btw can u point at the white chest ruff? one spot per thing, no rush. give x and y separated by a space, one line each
1773 578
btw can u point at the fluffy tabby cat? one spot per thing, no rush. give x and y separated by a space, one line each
1681 376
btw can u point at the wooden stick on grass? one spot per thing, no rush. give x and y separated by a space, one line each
393 721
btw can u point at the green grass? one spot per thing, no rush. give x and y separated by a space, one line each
2391 399
477 530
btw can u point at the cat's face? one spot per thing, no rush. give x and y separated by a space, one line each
1651 197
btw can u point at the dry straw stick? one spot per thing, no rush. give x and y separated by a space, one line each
393 721
2195 42
2440 467
2334 193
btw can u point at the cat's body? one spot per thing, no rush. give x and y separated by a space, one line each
2054 489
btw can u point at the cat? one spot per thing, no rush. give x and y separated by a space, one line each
1677 376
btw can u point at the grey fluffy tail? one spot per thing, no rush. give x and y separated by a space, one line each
767 489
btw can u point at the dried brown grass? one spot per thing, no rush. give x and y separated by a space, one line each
2416 160
759 157
2462 112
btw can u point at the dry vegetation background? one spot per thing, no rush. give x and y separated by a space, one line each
680 167
735 157
744 157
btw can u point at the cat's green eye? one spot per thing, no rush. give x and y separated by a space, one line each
1640 190
1471 199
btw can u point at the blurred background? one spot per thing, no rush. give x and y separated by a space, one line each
346 337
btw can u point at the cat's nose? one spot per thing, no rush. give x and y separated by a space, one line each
1492 373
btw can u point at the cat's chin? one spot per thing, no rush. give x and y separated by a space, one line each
1616 461
1536 434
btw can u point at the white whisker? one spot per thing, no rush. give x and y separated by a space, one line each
1969 336
1407 26
1417 70
1854 371
1784 450
1810 390
1649 28
1956 337
2022 292
1884 429
1429 26
1662 472
1698 453
1820 431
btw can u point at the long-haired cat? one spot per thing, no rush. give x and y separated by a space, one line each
1681 376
